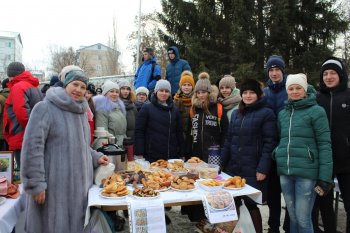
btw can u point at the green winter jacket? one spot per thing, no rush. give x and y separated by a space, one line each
305 146
114 121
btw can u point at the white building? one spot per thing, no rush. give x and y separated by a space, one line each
10 50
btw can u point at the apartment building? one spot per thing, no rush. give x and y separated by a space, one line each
10 50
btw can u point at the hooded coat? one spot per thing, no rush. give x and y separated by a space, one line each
250 141
158 132
24 94
57 158
304 149
175 68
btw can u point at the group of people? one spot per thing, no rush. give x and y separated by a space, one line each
283 138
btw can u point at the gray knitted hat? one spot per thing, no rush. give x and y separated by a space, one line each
162 84
15 68
203 83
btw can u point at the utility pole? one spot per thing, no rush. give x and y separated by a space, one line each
138 38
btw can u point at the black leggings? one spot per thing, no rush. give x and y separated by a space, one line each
344 186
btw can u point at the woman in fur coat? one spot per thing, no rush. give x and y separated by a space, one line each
57 161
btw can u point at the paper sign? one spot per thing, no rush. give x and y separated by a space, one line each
219 207
147 216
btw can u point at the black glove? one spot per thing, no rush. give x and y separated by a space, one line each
322 187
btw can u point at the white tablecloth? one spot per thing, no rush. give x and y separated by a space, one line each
167 197
10 211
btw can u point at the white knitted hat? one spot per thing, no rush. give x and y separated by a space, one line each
142 90
299 79
109 85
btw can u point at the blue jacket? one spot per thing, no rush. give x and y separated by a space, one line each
143 76
158 131
276 94
174 70
249 143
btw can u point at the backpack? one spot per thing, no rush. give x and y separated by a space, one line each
219 108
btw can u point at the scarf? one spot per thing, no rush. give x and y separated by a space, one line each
183 100
230 102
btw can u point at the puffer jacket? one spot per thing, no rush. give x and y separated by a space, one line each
275 95
3 97
143 76
336 102
174 70
304 149
24 94
250 141
158 131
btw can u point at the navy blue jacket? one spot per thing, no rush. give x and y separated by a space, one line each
249 143
275 95
174 70
158 131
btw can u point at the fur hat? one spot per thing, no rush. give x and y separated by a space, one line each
203 83
91 88
299 79
15 68
187 77
162 84
124 83
75 75
142 90
65 70
228 81
275 61
109 85
253 85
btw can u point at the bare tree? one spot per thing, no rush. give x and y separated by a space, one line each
113 65
149 38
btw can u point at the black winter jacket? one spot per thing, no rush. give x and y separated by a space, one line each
336 102
249 143
158 131
206 131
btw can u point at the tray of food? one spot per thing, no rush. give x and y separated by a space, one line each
220 200
145 193
114 190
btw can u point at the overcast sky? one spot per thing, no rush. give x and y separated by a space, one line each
45 23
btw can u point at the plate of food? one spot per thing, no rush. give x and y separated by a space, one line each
112 195
183 184
234 183
145 193
183 190
220 200
210 184
2 200
163 189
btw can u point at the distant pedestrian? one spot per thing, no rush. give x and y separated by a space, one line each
24 94
175 68
149 72
4 93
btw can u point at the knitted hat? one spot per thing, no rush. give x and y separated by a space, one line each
275 61
187 77
75 75
203 83
54 79
299 79
162 84
228 81
91 88
253 85
109 85
142 90
65 70
333 63
15 68
124 83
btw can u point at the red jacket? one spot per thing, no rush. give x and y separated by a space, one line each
24 94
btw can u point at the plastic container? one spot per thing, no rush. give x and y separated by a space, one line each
194 168
211 171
